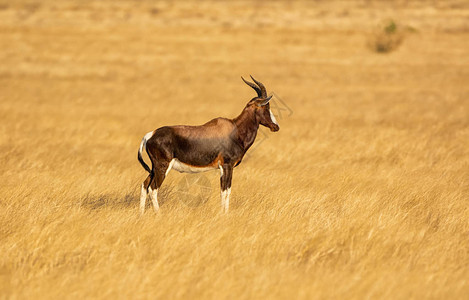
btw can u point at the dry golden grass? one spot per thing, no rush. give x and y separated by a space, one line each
363 193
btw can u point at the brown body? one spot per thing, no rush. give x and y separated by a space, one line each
220 143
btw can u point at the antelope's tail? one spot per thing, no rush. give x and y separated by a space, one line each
143 144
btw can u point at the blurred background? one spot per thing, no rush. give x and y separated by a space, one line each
365 183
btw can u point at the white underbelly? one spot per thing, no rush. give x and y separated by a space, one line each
185 168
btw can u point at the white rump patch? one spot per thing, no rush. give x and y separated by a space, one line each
185 168
272 117
148 135
145 139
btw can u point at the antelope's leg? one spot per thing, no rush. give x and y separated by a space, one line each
225 183
143 194
160 171
222 196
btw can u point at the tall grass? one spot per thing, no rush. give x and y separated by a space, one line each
361 194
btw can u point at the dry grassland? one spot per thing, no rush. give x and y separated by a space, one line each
363 193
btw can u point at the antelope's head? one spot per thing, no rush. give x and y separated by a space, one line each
261 107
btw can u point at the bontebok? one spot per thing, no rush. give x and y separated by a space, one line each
218 144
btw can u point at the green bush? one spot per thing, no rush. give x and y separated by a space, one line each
387 37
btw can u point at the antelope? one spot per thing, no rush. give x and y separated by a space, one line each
218 144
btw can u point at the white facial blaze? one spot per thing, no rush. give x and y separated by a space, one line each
272 117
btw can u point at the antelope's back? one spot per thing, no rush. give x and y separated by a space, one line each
197 145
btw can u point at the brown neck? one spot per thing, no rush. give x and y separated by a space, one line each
247 125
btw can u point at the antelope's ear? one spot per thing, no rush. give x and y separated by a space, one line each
262 102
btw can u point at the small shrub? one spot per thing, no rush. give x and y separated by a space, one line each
387 37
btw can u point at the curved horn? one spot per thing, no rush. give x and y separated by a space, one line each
261 86
255 87
265 101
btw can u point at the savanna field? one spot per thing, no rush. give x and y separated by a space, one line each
363 193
